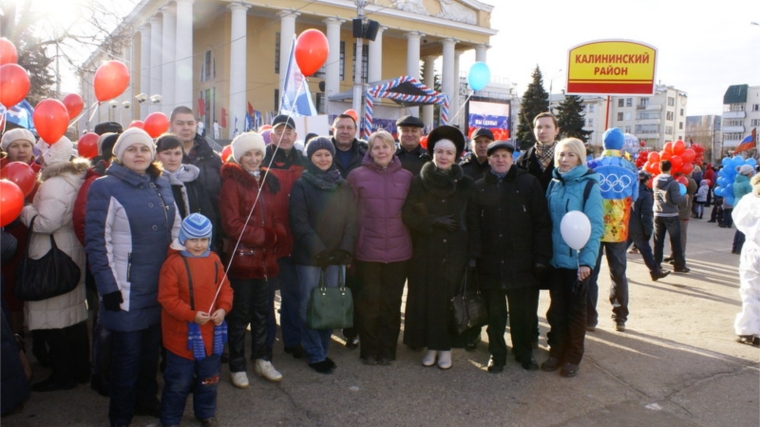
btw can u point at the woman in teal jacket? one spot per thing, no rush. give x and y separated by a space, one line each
573 187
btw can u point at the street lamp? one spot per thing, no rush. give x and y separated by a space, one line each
361 30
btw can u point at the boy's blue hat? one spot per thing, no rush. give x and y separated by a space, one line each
613 139
195 226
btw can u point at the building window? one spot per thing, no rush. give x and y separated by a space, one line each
755 107
208 67
277 100
320 74
589 123
671 101
320 100
627 116
365 62
669 116
627 129
621 102
681 112
680 125
590 108
668 130
276 55
629 102
620 116
644 102
755 122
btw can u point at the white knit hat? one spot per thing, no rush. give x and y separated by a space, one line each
246 142
131 137
747 170
18 134
61 151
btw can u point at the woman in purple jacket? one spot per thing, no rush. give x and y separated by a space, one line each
383 248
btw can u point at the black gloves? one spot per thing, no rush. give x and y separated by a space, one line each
445 222
111 301
323 259
580 286
340 257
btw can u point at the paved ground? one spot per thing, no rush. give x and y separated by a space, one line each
677 365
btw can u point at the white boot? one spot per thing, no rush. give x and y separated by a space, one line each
264 368
444 359
239 379
429 359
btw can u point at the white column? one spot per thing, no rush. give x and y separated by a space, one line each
156 59
169 42
448 73
428 111
287 34
183 89
375 69
238 43
480 52
457 100
332 65
413 62
144 68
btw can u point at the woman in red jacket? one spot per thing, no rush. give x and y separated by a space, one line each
252 230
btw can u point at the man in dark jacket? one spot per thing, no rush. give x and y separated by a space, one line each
511 245
667 196
475 163
409 151
349 151
640 226
198 152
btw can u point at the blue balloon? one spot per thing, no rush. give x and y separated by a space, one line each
737 162
479 76
751 161
730 199
729 189
726 162
682 188
723 181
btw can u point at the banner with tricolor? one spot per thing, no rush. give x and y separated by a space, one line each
296 97
748 143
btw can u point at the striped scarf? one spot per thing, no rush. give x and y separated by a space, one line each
195 339
545 154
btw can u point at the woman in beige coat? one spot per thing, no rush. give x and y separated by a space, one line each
60 321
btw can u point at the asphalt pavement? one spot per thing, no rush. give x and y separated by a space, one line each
676 365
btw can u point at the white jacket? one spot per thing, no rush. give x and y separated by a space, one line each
54 206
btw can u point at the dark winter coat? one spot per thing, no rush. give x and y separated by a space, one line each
287 168
472 168
380 194
528 161
413 160
439 257
512 230
131 221
210 164
322 217
359 149
259 232
642 219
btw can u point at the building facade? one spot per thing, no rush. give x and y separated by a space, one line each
741 113
220 56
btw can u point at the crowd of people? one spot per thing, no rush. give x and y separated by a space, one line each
181 250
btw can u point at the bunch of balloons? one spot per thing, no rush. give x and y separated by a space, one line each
726 175
641 158
14 80
681 158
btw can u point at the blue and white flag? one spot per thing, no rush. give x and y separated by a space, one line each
296 98
20 114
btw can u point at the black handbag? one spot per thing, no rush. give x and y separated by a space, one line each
52 275
468 308
330 308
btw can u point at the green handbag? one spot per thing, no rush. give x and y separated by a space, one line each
330 308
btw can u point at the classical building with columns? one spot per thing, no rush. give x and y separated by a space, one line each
233 53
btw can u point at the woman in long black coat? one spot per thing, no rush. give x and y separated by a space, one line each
436 212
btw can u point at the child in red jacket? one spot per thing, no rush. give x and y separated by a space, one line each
195 295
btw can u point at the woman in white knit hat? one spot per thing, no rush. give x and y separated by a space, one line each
252 229
130 222
61 321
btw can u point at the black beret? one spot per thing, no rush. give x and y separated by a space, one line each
410 121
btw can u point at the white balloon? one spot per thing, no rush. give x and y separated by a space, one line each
575 229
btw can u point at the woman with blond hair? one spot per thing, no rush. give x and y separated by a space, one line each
574 187
383 247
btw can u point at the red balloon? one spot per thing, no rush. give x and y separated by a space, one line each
311 51
137 124
11 202
226 152
423 142
668 147
351 112
677 162
654 157
264 127
88 145
665 155
111 80
14 84
678 147
21 174
683 180
74 104
687 168
643 143
699 160
156 123
8 53
699 149
51 119
688 155
656 169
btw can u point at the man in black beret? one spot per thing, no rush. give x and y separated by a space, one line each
475 164
106 127
409 151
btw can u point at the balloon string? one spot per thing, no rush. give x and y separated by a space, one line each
93 111
79 116
469 95
5 119
255 202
